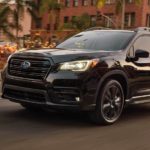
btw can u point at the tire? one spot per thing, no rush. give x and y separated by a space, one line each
110 104
31 107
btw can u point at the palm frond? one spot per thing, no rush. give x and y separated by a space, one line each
33 5
32 9
7 32
49 5
5 11
33 14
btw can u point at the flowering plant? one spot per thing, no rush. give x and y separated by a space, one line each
6 49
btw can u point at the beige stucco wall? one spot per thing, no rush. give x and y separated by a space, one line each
25 22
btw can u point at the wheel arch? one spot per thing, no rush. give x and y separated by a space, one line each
118 75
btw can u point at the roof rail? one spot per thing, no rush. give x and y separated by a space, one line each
142 29
97 28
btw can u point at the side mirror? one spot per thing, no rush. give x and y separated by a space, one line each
141 54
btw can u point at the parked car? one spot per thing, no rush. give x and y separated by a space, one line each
97 71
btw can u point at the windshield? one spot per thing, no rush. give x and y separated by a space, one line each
98 40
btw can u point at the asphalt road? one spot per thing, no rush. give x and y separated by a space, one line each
41 130
24 130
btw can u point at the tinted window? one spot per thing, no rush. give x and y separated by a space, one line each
98 40
143 43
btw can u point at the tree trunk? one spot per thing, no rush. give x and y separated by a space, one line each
17 28
51 23
17 37
123 14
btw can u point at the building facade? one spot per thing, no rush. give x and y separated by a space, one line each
25 23
135 15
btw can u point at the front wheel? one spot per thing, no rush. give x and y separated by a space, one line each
110 104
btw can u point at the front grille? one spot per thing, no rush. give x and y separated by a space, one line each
25 95
38 68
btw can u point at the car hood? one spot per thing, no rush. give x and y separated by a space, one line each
64 55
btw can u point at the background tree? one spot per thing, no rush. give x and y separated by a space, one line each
5 25
78 22
33 9
53 7
18 14
120 7
82 22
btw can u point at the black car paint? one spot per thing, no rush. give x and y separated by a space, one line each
134 77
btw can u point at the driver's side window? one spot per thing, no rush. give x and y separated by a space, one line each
142 43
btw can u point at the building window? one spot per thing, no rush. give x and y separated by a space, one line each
66 19
39 23
93 2
67 3
73 18
48 27
55 26
85 2
108 21
129 19
75 3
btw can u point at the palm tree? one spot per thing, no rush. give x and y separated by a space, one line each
52 6
5 25
32 9
78 23
120 7
18 14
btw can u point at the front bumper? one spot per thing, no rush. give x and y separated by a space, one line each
61 90
36 97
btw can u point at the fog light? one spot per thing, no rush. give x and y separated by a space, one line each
77 99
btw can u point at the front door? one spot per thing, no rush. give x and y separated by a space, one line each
141 68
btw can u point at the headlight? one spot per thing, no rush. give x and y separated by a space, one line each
80 66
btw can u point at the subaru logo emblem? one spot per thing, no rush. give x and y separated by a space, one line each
25 65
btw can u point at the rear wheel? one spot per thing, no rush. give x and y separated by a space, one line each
110 103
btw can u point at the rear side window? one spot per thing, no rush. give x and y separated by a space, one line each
98 40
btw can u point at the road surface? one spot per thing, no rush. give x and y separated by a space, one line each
24 130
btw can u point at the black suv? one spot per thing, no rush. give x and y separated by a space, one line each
98 71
